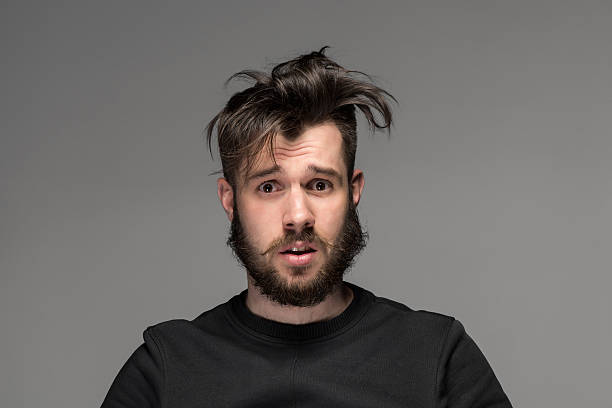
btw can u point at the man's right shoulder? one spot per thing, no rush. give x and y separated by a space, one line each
178 331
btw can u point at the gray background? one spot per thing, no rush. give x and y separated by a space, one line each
491 201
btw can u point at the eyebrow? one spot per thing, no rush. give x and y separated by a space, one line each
264 173
328 171
312 168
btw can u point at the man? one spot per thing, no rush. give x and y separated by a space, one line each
299 336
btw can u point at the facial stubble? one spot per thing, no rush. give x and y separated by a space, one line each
341 255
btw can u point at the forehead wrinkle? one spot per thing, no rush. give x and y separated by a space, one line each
294 151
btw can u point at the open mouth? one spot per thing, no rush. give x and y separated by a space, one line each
298 252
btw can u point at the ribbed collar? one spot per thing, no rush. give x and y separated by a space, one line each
362 299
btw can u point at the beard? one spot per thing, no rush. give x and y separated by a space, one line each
341 255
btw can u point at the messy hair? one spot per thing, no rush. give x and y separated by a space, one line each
306 91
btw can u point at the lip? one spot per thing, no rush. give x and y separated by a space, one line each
298 260
298 244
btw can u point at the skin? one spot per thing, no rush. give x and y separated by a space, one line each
291 199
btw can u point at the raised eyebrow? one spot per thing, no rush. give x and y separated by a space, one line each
264 173
328 171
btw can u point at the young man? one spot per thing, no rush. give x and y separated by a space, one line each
299 335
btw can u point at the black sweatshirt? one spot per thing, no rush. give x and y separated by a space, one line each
376 353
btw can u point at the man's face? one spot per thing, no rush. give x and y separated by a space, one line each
301 203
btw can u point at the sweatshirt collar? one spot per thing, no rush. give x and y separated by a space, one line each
361 301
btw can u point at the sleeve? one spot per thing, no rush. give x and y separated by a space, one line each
465 379
139 382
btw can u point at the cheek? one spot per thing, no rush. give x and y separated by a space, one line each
330 219
261 224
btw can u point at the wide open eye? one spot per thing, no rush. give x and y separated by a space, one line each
267 187
321 185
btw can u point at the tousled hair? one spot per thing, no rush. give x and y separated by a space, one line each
306 91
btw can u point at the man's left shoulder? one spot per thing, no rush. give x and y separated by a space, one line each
412 318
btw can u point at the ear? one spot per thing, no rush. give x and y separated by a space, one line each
226 196
357 182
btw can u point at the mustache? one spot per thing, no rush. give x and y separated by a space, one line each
308 235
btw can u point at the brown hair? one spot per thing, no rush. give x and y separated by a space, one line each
303 92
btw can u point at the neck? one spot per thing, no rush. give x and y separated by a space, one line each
333 305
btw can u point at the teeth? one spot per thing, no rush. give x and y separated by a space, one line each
296 249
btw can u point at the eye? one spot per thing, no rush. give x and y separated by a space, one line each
321 185
267 187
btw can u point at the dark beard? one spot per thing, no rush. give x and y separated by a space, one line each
350 242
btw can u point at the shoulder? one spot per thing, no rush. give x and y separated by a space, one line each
429 321
177 333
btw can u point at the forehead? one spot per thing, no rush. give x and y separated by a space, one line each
320 145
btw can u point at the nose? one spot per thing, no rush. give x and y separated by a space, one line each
297 214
